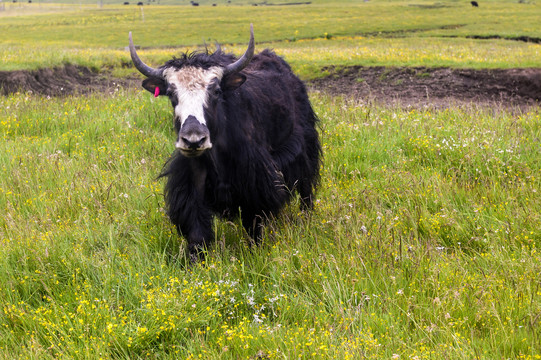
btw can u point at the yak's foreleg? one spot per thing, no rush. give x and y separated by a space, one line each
188 209
194 222
198 233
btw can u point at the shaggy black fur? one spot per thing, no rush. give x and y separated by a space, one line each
265 147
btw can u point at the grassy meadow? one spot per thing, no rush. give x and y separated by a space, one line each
424 242
374 33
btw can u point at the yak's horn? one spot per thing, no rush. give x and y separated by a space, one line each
140 65
244 59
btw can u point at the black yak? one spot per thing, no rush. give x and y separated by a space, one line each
246 139
474 4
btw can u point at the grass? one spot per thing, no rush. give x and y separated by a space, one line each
424 242
307 57
383 33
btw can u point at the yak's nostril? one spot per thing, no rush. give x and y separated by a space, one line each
194 144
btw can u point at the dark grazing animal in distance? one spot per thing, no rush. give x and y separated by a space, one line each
474 4
247 139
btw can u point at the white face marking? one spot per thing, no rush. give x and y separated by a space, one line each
191 85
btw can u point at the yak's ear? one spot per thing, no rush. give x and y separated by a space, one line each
234 81
155 85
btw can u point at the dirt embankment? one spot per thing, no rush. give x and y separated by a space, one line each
437 87
61 81
420 86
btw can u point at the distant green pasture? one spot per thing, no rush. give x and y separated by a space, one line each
309 36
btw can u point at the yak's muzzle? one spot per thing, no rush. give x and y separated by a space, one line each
193 138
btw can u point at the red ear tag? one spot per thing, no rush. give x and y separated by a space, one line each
157 92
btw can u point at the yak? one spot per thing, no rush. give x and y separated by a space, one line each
246 139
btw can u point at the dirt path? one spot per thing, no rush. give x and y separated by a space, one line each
415 87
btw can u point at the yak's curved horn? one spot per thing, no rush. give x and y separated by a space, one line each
140 65
244 59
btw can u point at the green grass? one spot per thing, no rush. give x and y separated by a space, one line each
373 33
424 241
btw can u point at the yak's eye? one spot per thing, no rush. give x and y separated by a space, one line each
176 124
174 101
214 88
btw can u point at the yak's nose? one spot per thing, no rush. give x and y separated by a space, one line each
193 143
193 136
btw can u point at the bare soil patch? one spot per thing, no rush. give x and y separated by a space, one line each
399 86
61 81
438 87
